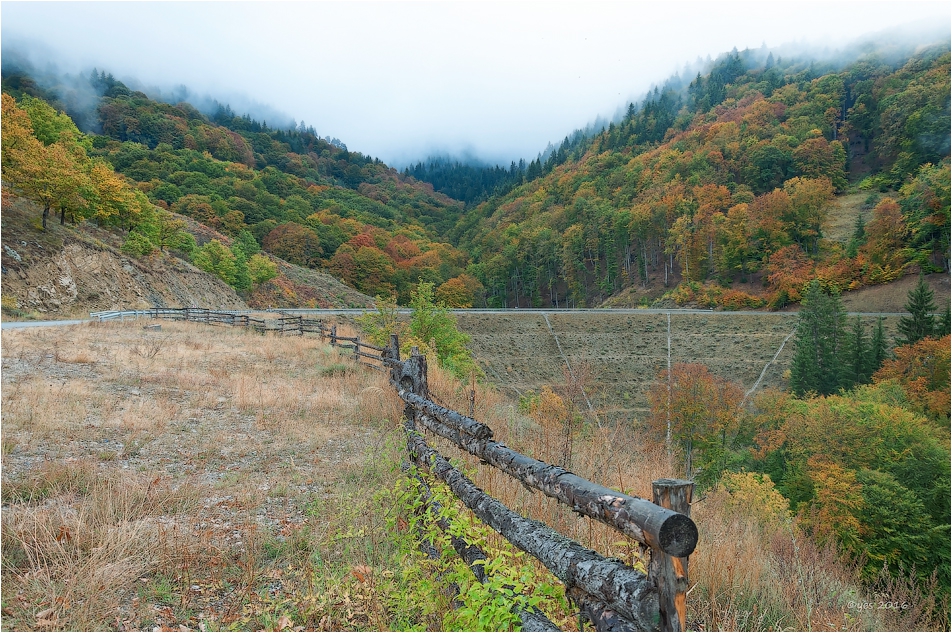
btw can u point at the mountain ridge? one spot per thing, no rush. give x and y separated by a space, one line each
714 191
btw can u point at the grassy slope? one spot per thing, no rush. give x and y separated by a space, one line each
621 354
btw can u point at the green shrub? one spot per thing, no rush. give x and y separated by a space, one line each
137 245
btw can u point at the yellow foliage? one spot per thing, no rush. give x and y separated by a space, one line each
837 502
549 410
754 494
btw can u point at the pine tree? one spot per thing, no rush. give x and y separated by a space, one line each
819 343
878 351
856 356
921 322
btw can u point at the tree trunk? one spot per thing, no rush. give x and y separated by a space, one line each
46 214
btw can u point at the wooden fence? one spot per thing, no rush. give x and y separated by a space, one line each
293 325
611 595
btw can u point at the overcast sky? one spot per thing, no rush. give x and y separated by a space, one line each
400 80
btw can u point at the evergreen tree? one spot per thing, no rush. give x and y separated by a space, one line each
921 322
819 343
878 350
857 360
859 236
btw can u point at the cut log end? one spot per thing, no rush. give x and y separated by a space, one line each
678 535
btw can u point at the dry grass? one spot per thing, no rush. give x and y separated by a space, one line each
750 572
162 478
212 477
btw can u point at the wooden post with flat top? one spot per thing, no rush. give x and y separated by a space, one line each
670 573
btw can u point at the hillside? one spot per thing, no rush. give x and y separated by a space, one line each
75 270
735 189
68 272
730 189
304 199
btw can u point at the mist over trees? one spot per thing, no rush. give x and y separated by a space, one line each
729 179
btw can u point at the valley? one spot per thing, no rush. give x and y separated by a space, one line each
740 280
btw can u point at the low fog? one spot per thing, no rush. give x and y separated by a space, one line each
401 81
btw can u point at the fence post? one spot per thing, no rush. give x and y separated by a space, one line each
300 325
670 573
334 335
391 358
357 349
414 378
472 394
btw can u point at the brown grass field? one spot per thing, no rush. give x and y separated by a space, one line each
203 478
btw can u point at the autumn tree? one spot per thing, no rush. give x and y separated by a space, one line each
704 415
261 269
48 174
460 291
846 461
171 233
808 201
886 236
18 138
555 417
373 271
837 502
115 202
922 369
294 243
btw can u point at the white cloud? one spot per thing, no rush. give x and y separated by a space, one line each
396 79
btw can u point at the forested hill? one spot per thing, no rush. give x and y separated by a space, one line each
723 188
305 199
719 190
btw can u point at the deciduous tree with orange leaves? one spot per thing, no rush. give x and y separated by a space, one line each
703 412
922 369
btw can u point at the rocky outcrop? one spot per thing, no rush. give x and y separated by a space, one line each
82 277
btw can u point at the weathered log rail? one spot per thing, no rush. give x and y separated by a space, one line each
610 594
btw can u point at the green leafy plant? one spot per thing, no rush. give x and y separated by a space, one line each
513 583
